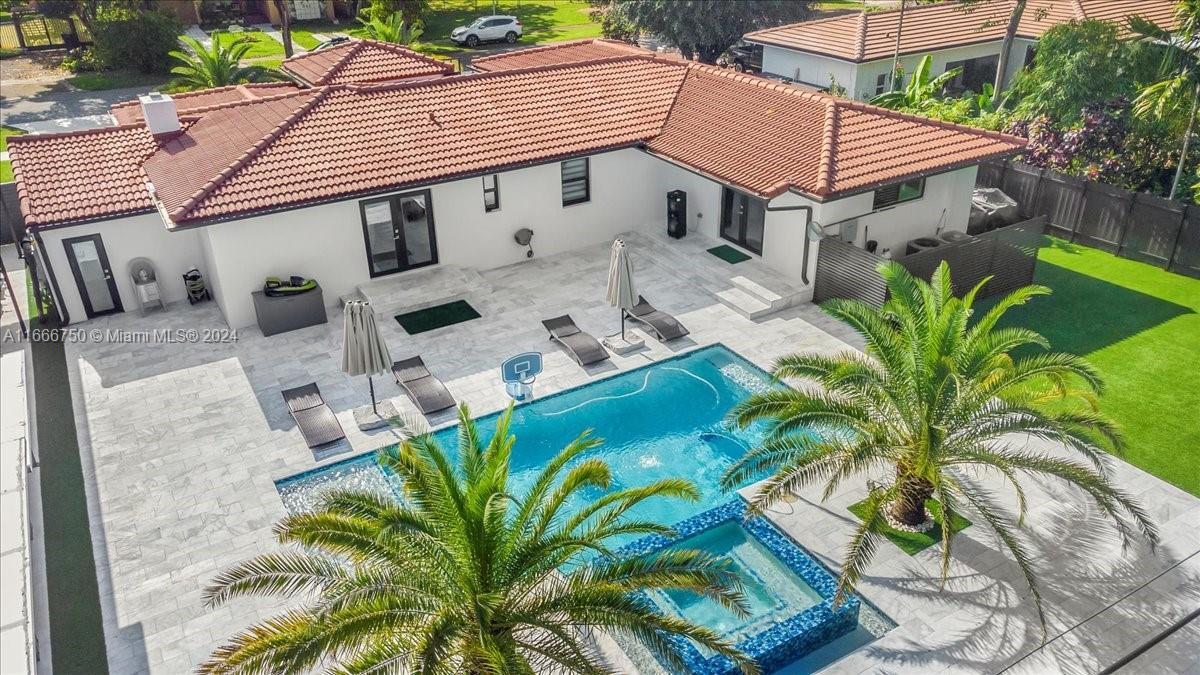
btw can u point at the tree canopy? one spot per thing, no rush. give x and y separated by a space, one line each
703 29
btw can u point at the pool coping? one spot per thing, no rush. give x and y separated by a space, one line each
787 640
332 463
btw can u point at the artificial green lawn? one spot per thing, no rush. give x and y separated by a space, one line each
1140 326
913 543
6 173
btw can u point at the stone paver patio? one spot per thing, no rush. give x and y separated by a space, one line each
182 443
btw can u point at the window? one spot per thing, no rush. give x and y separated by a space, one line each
491 192
881 81
575 187
898 193
975 73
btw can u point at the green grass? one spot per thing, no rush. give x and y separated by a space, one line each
436 317
913 543
1140 326
114 79
543 21
31 307
6 173
261 44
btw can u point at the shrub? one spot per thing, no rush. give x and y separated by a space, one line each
82 60
136 40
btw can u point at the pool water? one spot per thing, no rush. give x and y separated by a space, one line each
773 592
665 420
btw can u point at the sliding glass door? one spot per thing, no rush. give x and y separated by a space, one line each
743 219
399 232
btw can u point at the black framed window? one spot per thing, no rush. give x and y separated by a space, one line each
491 192
898 193
576 186
881 82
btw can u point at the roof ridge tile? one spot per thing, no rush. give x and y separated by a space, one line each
255 150
861 51
828 149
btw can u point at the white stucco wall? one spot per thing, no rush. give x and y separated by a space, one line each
812 69
947 201
144 236
860 79
326 242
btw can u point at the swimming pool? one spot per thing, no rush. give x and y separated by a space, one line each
663 420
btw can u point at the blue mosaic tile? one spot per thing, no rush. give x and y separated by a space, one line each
788 639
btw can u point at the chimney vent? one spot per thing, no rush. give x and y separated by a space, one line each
159 111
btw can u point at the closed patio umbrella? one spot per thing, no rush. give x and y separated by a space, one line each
364 351
620 281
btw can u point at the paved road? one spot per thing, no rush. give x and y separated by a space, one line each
28 104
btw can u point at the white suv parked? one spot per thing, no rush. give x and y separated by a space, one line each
488 29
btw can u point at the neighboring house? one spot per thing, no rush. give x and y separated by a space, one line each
856 50
363 62
351 183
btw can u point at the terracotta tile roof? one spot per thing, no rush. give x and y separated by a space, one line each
869 36
563 52
356 139
195 102
766 137
82 175
363 61
334 142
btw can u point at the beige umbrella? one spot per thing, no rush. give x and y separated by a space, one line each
621 293
364 351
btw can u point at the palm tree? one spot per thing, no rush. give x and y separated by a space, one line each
216 66
392 29
464 576
1178 88
921 90
939 398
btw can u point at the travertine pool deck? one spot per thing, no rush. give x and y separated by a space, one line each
181 444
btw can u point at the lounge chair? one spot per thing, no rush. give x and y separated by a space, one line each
582 347
423 389
318 425
664 326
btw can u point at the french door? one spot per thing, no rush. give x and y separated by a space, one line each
93 275
743 219
398 232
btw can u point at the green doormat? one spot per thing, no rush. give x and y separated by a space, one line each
913 543
438 316
729 254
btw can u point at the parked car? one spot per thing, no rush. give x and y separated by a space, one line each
488 29
744 58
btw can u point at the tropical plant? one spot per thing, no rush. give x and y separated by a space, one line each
466 576
921 91
1078 63
217 66
1178 88
134 38
939 398
391 28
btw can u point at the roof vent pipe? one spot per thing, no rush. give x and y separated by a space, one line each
159 111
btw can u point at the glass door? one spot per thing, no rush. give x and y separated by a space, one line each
399 233
93 275
743 219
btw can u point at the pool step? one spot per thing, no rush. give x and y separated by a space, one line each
749 306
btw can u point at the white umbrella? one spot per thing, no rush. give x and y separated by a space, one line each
364 351
621 293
